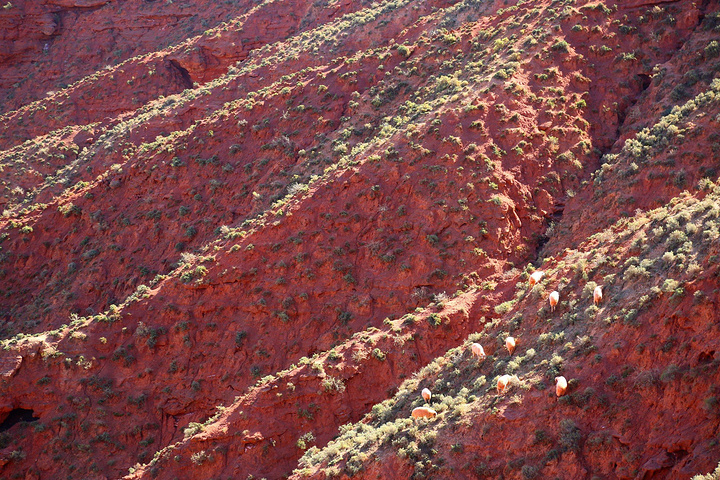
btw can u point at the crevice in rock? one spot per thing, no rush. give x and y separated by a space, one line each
552 219
184 75
16 416
706 357
676 456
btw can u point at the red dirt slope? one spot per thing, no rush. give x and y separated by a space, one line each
223 252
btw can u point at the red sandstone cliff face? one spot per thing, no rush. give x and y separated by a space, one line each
258 239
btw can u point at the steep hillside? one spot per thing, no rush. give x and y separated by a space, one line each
243 253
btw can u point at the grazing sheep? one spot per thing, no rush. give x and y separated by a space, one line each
423 412
426 394
478 351
510 344
560 386
536 277
554 299
597 295
503 383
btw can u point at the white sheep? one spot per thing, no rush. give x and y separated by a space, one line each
597 295
536 276
426 394
560 386
554 299
478 351
504 381
423 412
510 344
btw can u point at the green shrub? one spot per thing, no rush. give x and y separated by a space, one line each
570 435
434 319
304 441
712 50
333 384
560 46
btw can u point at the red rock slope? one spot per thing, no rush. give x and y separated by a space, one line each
269 237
